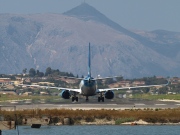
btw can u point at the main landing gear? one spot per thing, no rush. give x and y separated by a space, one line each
101 98
74 98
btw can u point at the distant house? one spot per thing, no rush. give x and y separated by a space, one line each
124 83
10 87
159 77
172 93
46 83
16 83
44 93
18 78
175 80
113 85
8 93
69 80
27 80
137 83
27 93
72 81
6 81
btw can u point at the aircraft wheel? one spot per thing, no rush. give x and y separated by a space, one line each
72 99
77 99
99 99
102 99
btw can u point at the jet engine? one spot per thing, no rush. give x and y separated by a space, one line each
109 94
65 94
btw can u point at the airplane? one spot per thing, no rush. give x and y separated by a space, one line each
88 87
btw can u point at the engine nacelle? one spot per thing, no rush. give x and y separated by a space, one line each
65 94
109 94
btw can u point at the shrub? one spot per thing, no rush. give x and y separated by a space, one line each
89 119
123 120
156 109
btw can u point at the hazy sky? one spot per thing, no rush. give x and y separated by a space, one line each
131 14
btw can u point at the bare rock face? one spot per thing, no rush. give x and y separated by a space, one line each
60 41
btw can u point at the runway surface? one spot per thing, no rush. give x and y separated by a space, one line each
95 106
124 104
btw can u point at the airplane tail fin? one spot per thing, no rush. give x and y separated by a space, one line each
89 62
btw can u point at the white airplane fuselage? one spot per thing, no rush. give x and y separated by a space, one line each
88 87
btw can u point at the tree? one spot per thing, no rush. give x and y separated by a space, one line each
24 70
48 71
109 81
119 78
70 74
41 74
163 90
32 72
145 90
37 72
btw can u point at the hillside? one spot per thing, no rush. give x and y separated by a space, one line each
61 42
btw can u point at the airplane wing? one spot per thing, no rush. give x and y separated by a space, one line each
59 88
122 88
104 78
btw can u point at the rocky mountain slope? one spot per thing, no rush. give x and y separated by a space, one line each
61 42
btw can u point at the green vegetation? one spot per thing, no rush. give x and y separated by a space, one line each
156 97
123 120
5 98
57 78
49 72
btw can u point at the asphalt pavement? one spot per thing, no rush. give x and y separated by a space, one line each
108 104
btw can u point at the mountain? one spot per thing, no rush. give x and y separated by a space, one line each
60 41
